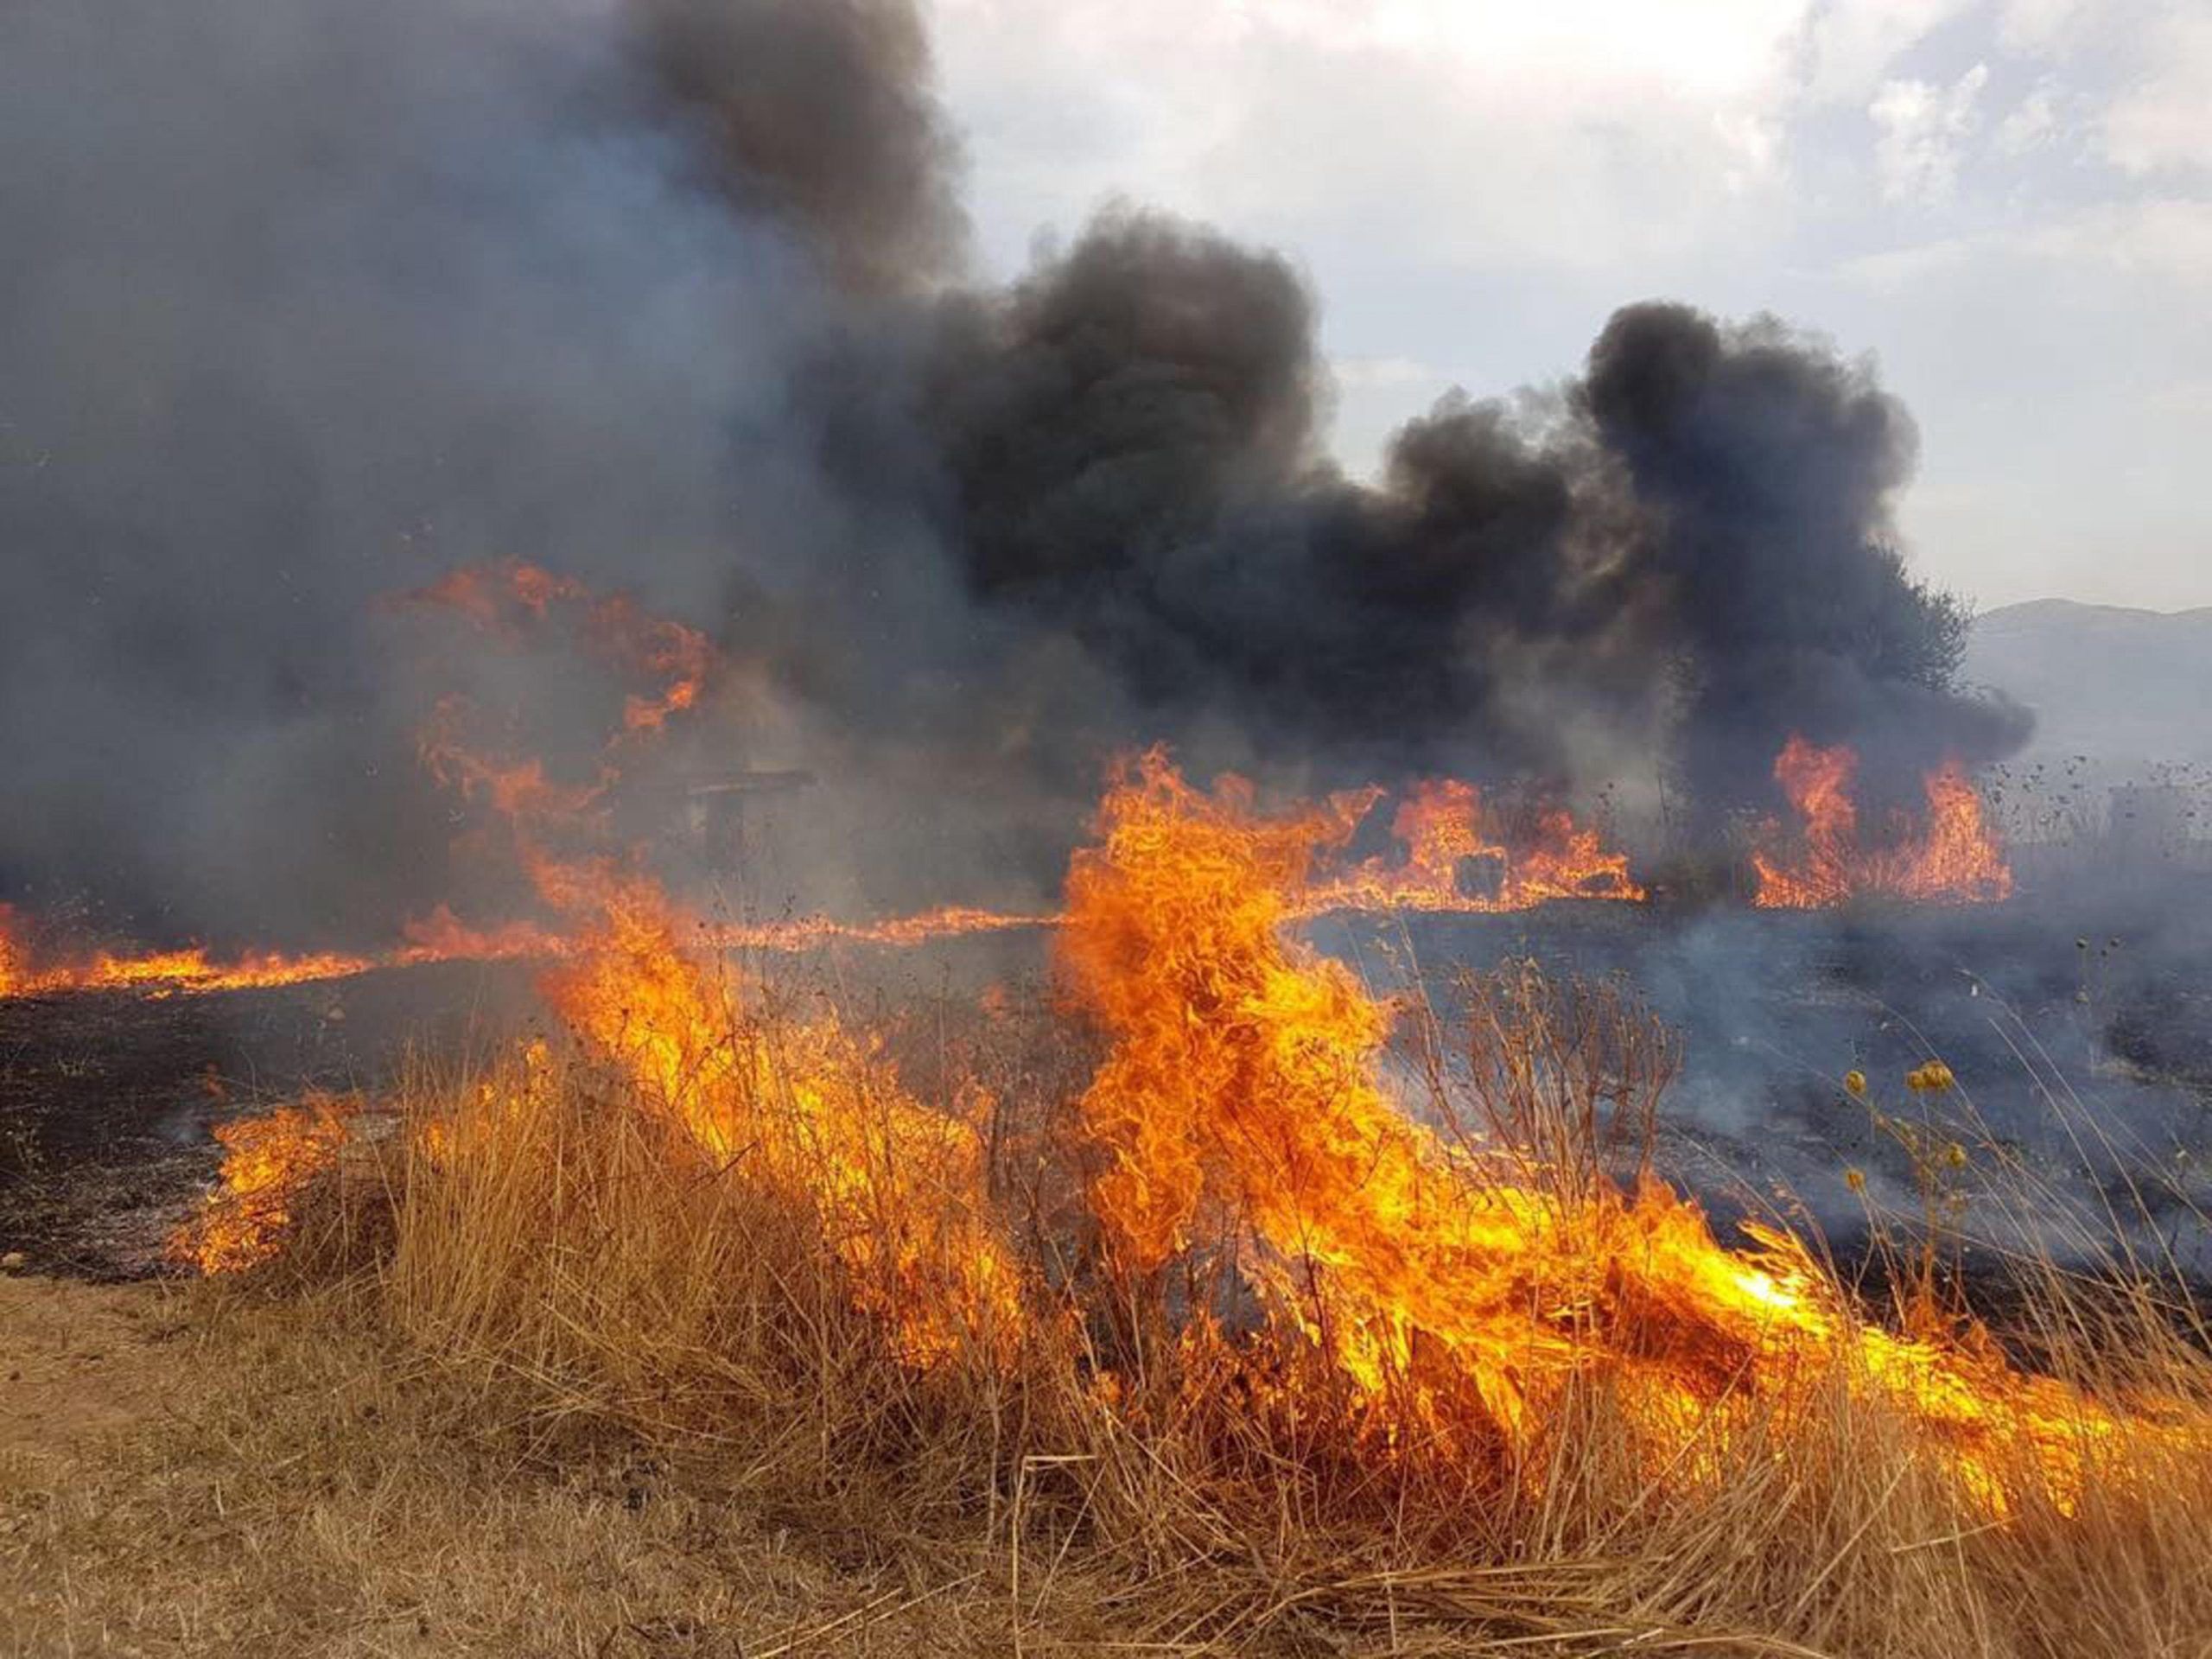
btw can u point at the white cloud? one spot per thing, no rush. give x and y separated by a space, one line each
1711 49
2164 240
2168 238
2165 119
1853 42
2044 28
1921 131
1580 132
1386 373
2032 124
1891 273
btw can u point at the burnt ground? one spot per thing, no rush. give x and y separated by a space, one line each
108 1101
2079 1026
2047 1010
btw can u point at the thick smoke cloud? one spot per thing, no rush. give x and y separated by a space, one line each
1698 529
1769 466
306 304
821 117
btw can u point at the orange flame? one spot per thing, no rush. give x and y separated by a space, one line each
1241 1105
267 1162
1450 1287
499 597
441 937
808 932
16 977
901 1189
194 970
23 972
1952 859
1447 836
1444 827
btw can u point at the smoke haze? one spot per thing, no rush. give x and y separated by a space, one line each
306 304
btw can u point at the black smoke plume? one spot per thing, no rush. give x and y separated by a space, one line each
305 303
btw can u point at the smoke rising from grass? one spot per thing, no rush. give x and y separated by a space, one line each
307 305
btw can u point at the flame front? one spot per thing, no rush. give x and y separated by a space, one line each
191 970
1236 1128
1448 836
1442 829
900 1190
195 970
666 670
1953 858
267 1161
1456 1288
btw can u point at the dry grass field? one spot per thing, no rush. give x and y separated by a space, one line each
1192 1313
183 1474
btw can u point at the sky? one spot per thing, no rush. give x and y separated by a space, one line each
2006 203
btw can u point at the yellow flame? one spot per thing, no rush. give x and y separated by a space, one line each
1241 1101
267 1162
1951 858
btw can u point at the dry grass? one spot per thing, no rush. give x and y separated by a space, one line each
286 1484
537 1375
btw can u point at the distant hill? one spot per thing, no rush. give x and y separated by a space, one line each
2128 688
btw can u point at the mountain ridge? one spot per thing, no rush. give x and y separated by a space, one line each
2129 688
2033 610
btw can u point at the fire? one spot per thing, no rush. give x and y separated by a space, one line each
192 969
902 1190
1448 833
1951 858
441 937
1455 1290
501 598
267 1162
808 932
16 975
1237 1132
1240 1110
1445 831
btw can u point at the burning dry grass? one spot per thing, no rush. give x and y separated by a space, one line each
1951 857
1198 1332
565 1269
1152 1459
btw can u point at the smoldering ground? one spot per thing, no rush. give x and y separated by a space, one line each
306 304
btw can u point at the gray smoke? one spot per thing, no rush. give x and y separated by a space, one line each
304 305
1696 534
307 303
821 117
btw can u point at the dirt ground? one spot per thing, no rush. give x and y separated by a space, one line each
178 1476
78 1362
